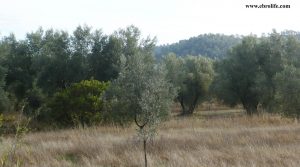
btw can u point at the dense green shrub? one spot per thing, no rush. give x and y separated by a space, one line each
79 104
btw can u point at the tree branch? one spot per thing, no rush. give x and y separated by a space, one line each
141 126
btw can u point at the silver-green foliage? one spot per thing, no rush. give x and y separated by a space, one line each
193 76
261 73
144 92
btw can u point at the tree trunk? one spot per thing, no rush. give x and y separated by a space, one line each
251 109
193 105
145 152
82 122
141 126
191 108
182 106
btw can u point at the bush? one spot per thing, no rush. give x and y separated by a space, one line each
79 104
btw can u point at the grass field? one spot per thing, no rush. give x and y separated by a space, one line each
209 139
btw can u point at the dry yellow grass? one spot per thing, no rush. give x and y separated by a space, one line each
204 140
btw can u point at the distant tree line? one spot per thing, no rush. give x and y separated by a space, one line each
214 46
87 77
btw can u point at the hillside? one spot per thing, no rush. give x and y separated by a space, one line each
211 45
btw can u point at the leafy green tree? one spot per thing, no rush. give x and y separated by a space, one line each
130 37
36 45
193 76
34 41
104 61
288 91
79 104
175 72
235 81
292 50
19 75
81 46
288 80
270 55
144 93
199 75
251 73
53 62
132 43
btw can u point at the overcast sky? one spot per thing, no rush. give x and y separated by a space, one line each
168 20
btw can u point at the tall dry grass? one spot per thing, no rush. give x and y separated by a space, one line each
206 140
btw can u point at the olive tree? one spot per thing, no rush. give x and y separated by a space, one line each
288 91
269 54
193 76
252 73
144 93
235 81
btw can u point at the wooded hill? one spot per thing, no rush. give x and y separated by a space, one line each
210 45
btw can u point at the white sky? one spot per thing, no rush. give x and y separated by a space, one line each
168 20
